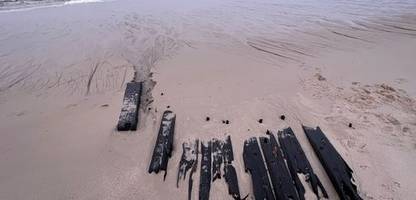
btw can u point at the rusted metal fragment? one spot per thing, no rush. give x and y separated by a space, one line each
283 186
130 109
188 159
254 164
299 164
205 176
164 143
217 158
335 166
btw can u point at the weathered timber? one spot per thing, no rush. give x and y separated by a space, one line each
299 164
254 164
188 159
193 170
230 174
130 108
335 166
205 176
164 143
283 186
228 153
217 157
231 179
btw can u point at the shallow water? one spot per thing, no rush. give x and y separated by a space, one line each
49 47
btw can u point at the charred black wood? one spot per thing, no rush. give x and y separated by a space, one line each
228 153
217 157
254 164
335 166
164 143
130 108
283 186
205 176
193 170
188 159
299 164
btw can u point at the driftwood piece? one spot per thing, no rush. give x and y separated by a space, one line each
254 164
217 158
298 164
188 159
205 176
130 109
283 186
164 143
335 166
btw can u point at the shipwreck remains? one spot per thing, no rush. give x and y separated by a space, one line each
254 163
205 176
335 166
217 158
188 159
298 164
230 174
130 109
164 143
283 186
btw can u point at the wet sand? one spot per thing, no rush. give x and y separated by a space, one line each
62 77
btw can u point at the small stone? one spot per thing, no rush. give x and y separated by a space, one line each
207 119
260 121
161 94
227 122
149 108
167 106
282 117
105 105
350 125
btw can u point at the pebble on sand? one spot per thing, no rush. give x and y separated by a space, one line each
282 117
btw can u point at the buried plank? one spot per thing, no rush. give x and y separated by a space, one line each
230 174
205 176
217 157
254 164
298 164
164 143
283 186
193 170
188 159
335 166
130 108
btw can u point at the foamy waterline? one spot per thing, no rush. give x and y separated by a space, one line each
47 5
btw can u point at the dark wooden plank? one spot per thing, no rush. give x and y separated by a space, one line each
188 159
335 166
299 164
283 186
228 151
130 108
193 170
254 164
164 143
230 176
217 158
205 176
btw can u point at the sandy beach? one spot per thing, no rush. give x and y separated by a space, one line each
64 69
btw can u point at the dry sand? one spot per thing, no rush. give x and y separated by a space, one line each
62 77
